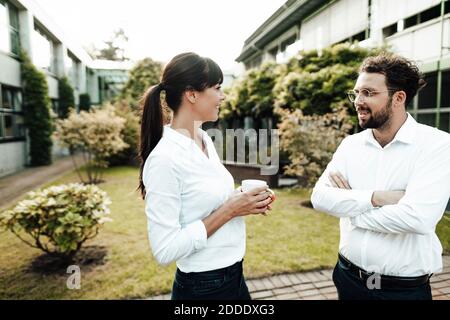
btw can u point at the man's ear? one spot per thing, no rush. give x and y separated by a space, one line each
190 95
399 98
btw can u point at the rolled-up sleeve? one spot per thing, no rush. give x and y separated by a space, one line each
169 240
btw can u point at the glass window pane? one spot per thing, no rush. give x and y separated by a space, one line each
445 92
444 122
6 99
13 17
427 96
428 119
42 51
19 126
8 130
4 28
15 42
1 125
17 100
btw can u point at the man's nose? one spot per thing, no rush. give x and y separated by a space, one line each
359 100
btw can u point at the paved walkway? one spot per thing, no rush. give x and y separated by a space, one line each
317 285
15 185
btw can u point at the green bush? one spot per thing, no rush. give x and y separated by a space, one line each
59 219
66 98
36 106
129 133
85 102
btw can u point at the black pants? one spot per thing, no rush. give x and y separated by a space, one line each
221 284
350 287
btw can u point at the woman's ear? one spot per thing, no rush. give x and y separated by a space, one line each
190 95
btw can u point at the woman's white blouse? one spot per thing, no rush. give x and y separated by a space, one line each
183 186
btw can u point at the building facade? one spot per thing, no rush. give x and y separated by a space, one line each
416 29
24 25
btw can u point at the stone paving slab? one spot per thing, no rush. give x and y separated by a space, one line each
318 285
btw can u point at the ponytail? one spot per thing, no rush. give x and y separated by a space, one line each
151 128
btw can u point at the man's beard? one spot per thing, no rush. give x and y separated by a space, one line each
379 119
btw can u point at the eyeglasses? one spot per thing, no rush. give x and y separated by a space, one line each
365 93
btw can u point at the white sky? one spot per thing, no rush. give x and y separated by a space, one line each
161 29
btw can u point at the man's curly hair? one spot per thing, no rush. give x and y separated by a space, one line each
401 74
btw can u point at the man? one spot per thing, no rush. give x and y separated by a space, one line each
389 185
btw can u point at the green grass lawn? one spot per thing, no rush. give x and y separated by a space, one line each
292 238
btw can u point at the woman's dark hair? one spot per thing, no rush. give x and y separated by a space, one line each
186 71
401 74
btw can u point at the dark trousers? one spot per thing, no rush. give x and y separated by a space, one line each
221 284
350 287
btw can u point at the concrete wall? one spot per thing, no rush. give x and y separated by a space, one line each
423 42
10 70
340 20
392 11
12 157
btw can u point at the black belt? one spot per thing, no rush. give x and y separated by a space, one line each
386 282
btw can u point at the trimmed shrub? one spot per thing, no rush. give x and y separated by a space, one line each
59 219
66 97
85 102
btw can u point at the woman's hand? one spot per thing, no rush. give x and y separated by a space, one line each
256 201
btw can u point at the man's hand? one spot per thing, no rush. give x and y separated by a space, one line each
338 181
384 198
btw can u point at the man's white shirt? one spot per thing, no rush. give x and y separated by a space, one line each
183 186
400 239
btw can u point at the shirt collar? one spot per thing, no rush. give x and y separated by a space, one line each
178 137
405 134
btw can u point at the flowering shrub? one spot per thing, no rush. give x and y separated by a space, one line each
59 219
97 134
311 141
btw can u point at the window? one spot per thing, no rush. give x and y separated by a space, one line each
42 51
427 118
287 42
444 122
11 118
445 92
390 30
360 36
426 15
430 14
411 21
427 96
9 28
4 30
14 29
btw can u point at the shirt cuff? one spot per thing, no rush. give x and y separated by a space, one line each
366 200
197 232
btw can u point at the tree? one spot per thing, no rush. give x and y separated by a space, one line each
36 105
85 102
144 74
113 49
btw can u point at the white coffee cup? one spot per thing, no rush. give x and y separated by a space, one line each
251 184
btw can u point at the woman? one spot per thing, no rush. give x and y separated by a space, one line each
194 215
